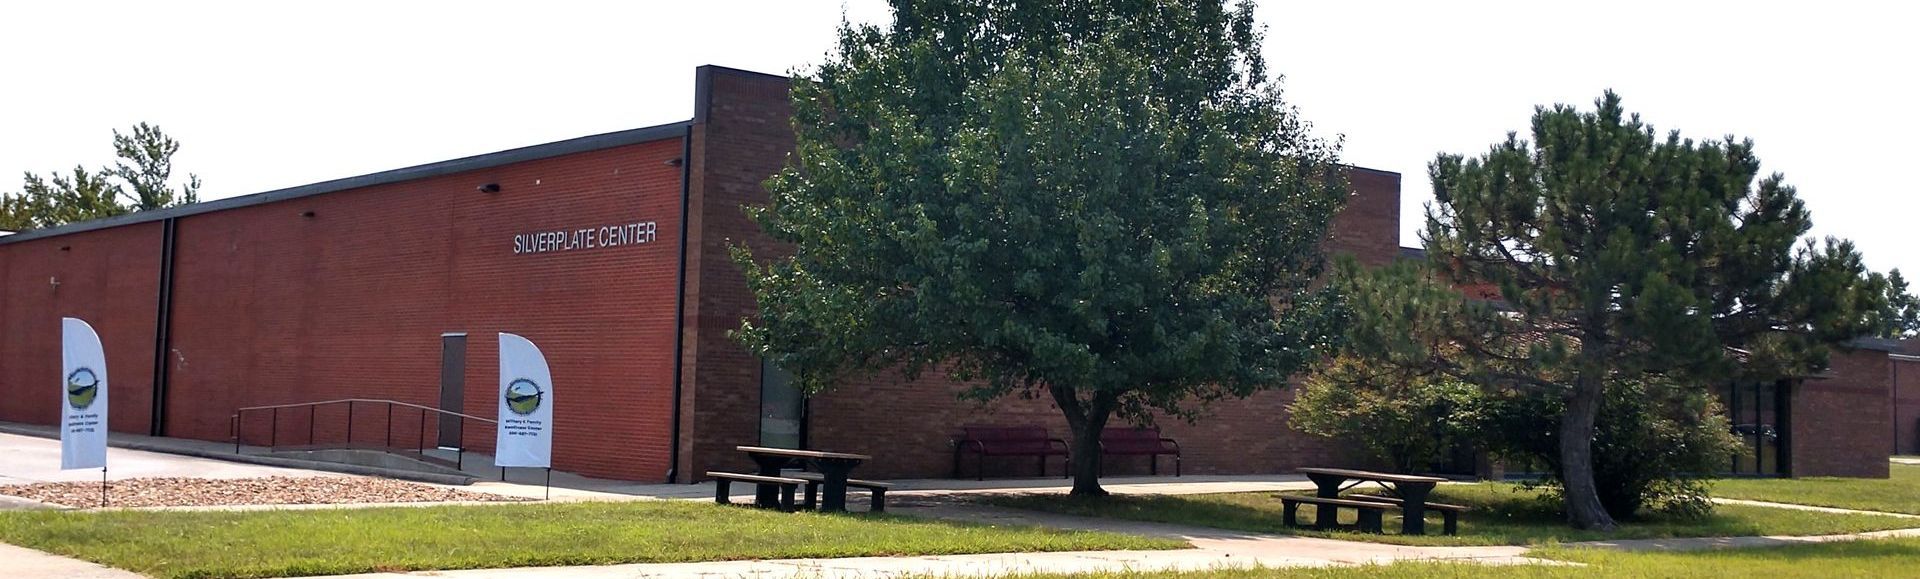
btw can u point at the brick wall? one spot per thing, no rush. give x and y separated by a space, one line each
911 423
741 137
346 295
1906 407
109 278
1840 422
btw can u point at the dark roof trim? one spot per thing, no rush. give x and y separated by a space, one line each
1877 344
1372 170
476 162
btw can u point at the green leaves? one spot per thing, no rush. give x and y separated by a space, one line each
1105 197
145 166
1616 260
1664 252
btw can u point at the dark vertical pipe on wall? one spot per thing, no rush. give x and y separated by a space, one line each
680 304
162 330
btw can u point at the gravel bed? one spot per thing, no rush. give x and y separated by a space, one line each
278 490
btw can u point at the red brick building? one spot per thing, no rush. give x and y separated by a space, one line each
611 253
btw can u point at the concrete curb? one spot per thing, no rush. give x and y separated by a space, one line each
444 479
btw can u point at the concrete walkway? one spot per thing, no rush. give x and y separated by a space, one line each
30 459
24 562
172 456
1812 508
1212 549
25 460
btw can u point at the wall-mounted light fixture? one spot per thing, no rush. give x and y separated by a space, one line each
489 188
307 214
675 162
54 281
66 248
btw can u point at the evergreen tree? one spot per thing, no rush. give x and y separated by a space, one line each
1619 255
141 175
145 165
1900 316
1103 203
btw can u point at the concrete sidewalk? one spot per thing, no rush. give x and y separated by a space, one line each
29 459
1212 549
24 562
528 483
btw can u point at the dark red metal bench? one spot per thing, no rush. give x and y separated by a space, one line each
1137 441
985 441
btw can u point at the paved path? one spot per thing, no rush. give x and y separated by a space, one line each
1913 460
1703 543
28 459
24 562
1812 508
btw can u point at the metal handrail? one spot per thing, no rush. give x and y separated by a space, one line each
312 416
382 401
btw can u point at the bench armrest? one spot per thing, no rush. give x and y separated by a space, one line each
1063 444
1175 443
978 447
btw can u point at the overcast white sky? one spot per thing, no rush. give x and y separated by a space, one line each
265 95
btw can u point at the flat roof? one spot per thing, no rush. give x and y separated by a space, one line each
460 165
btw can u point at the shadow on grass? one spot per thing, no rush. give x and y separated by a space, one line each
1502 514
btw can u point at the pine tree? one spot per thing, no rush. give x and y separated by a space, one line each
1621 254
141 175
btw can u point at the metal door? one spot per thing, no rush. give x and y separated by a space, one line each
453 385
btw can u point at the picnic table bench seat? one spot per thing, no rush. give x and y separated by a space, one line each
876 488
985 441
1370 512
1140 441
1449 514
723 486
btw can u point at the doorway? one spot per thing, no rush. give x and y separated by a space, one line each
1758 411
453 386
783 409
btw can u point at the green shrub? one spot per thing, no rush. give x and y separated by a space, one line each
1653 442
1408 421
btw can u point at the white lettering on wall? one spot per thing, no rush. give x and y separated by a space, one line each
636 233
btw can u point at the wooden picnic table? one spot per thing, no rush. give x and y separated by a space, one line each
833 467
1411 489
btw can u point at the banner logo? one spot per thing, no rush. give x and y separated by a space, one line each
82 388
523 396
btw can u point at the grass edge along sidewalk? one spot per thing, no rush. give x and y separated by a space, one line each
1899 493
1863 558
1503 514
207 544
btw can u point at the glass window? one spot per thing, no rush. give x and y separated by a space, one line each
782 409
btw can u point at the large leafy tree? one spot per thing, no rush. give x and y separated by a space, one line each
1618 255
140 179
1103 203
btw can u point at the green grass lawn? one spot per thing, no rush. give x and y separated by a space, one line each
1878 558
1898 494
1503 514
341 541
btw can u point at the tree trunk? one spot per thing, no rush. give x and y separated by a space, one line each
1086 420
1584 510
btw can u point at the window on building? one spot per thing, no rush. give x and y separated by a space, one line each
1758 412
783 409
